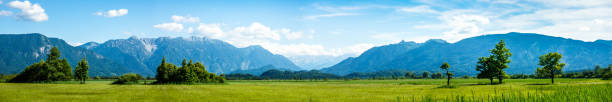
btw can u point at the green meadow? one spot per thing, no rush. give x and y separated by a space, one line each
407 90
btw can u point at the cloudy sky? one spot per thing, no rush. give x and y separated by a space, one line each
306 28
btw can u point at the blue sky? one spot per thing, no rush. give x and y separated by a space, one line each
306 28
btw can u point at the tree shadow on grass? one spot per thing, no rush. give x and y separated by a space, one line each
77 93
476 84
538 84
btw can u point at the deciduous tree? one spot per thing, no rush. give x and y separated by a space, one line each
551 65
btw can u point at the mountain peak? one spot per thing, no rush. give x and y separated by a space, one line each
436 41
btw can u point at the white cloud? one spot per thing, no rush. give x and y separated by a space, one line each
257 31
291 35
174 27
313 17
185 19
315 50
6 13
29 11
417 9
464 26
113 13
209 30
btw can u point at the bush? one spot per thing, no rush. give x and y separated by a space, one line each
129 78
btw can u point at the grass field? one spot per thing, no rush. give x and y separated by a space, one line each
594 90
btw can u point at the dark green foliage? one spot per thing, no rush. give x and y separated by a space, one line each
386 74
241 76
187 73
298 75
53 69
410 75
485 69
80 72
551 65
499 58
437 75
129 78
425 74
607 73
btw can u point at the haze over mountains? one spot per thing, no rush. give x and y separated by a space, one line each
142 55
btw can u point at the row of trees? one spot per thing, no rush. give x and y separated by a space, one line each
53 69
187 73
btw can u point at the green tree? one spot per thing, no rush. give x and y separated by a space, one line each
500 58
409 75
485 69
425 74
446 66
551 65
81 71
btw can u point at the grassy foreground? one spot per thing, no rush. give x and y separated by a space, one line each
330 91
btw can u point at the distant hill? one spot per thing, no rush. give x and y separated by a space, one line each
143 55
463 55
20 50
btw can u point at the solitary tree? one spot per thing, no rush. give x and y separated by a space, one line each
449 75
81 71
500 58
425 74
551 65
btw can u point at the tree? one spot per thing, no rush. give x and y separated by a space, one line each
500 59
425 74
449 75
81 71
409 75
437 75
550 65
486 71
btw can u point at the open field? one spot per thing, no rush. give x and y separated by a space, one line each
304 91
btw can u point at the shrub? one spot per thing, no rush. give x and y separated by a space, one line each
129 78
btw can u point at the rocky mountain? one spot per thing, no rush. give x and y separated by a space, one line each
20 50
463 55
143 55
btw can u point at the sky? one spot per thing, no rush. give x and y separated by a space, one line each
306 27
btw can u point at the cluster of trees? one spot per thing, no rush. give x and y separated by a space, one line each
129 78
493 66
53 69
187 73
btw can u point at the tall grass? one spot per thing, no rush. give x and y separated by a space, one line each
474 90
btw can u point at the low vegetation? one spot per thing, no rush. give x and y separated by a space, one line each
129 78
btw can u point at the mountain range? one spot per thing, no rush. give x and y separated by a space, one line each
138 55
463 55
143 55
